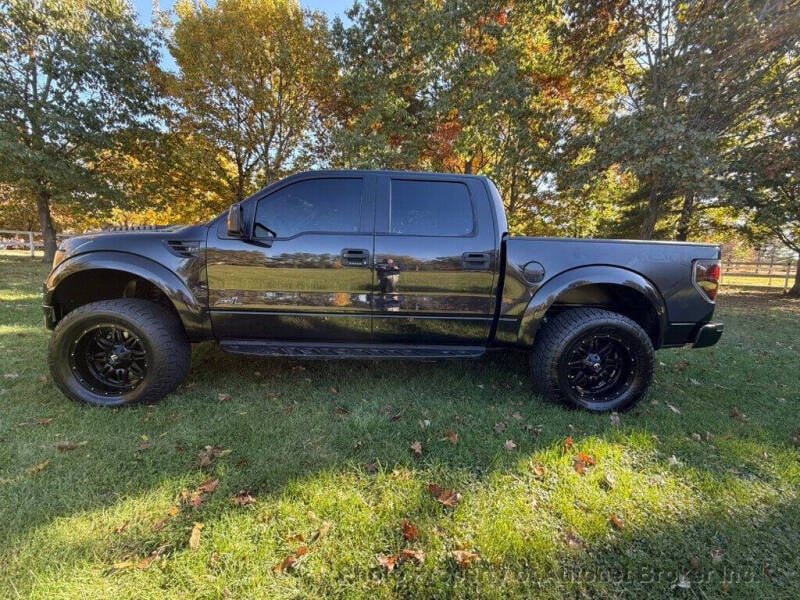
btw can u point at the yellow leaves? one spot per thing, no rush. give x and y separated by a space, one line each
194 537
39 467
291 560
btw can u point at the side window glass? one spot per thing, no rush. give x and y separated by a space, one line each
433 208
314 205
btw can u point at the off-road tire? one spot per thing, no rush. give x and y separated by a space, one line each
561 356
159 336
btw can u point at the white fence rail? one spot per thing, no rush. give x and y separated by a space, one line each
773 273
11 239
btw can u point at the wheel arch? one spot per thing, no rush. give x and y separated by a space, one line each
107 275
613 288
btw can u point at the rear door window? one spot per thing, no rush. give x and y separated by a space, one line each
430 208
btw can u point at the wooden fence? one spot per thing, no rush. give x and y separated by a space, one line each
772 273
24 238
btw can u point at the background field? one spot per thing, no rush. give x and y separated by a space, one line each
692 494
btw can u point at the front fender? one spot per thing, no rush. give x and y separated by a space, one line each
191 311
548 293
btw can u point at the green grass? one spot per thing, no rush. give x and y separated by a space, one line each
703 497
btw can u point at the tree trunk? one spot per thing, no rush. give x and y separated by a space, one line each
648 226
794 292
46 224
685 220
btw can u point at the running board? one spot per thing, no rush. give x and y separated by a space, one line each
345 350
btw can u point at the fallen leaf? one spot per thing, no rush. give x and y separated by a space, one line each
696 437
243 498
144 446
388 562
534 430
684 582
224 397
209 454
694 561
616 522
673 408
509 445
194 537
341 410
499 427
614 419
38 468
44 421
417 448
424 423
516 415
568 445
464 558
145 563
539 470
738 415
298 368
694 382
410 531
208 486
67 446
681 366
716 555
608 481
673 461
122 527
11 375
301 551
587 459
333 390
451 436
415 555
42 378
272 395
294 537
573 541
323 530
579 466
288 408
449 498
286 564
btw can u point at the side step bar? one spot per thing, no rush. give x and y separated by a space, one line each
345 350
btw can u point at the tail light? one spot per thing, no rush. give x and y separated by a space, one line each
706 277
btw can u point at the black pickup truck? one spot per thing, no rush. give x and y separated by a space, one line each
373 264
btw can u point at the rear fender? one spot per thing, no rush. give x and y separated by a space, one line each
547 295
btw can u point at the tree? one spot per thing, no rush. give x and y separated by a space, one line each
72 74
765 180
695 71
489 87
252 77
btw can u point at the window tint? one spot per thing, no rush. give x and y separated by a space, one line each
326 205
430 208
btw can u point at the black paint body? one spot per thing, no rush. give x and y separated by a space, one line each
378 291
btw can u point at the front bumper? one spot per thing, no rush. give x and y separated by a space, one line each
708 335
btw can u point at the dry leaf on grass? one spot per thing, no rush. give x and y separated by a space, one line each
451 436
464 558
509 445
243 498
416 447
194 537
410 531
616 522
449 498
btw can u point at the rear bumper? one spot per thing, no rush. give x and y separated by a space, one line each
708 335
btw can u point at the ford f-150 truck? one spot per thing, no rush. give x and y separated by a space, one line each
373 264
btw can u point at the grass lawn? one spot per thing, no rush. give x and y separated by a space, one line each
293 479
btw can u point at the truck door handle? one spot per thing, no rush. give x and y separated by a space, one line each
475 260
355 257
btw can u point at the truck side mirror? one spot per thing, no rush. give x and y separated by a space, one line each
236 220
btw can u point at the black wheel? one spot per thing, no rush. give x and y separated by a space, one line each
592 359
116 352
